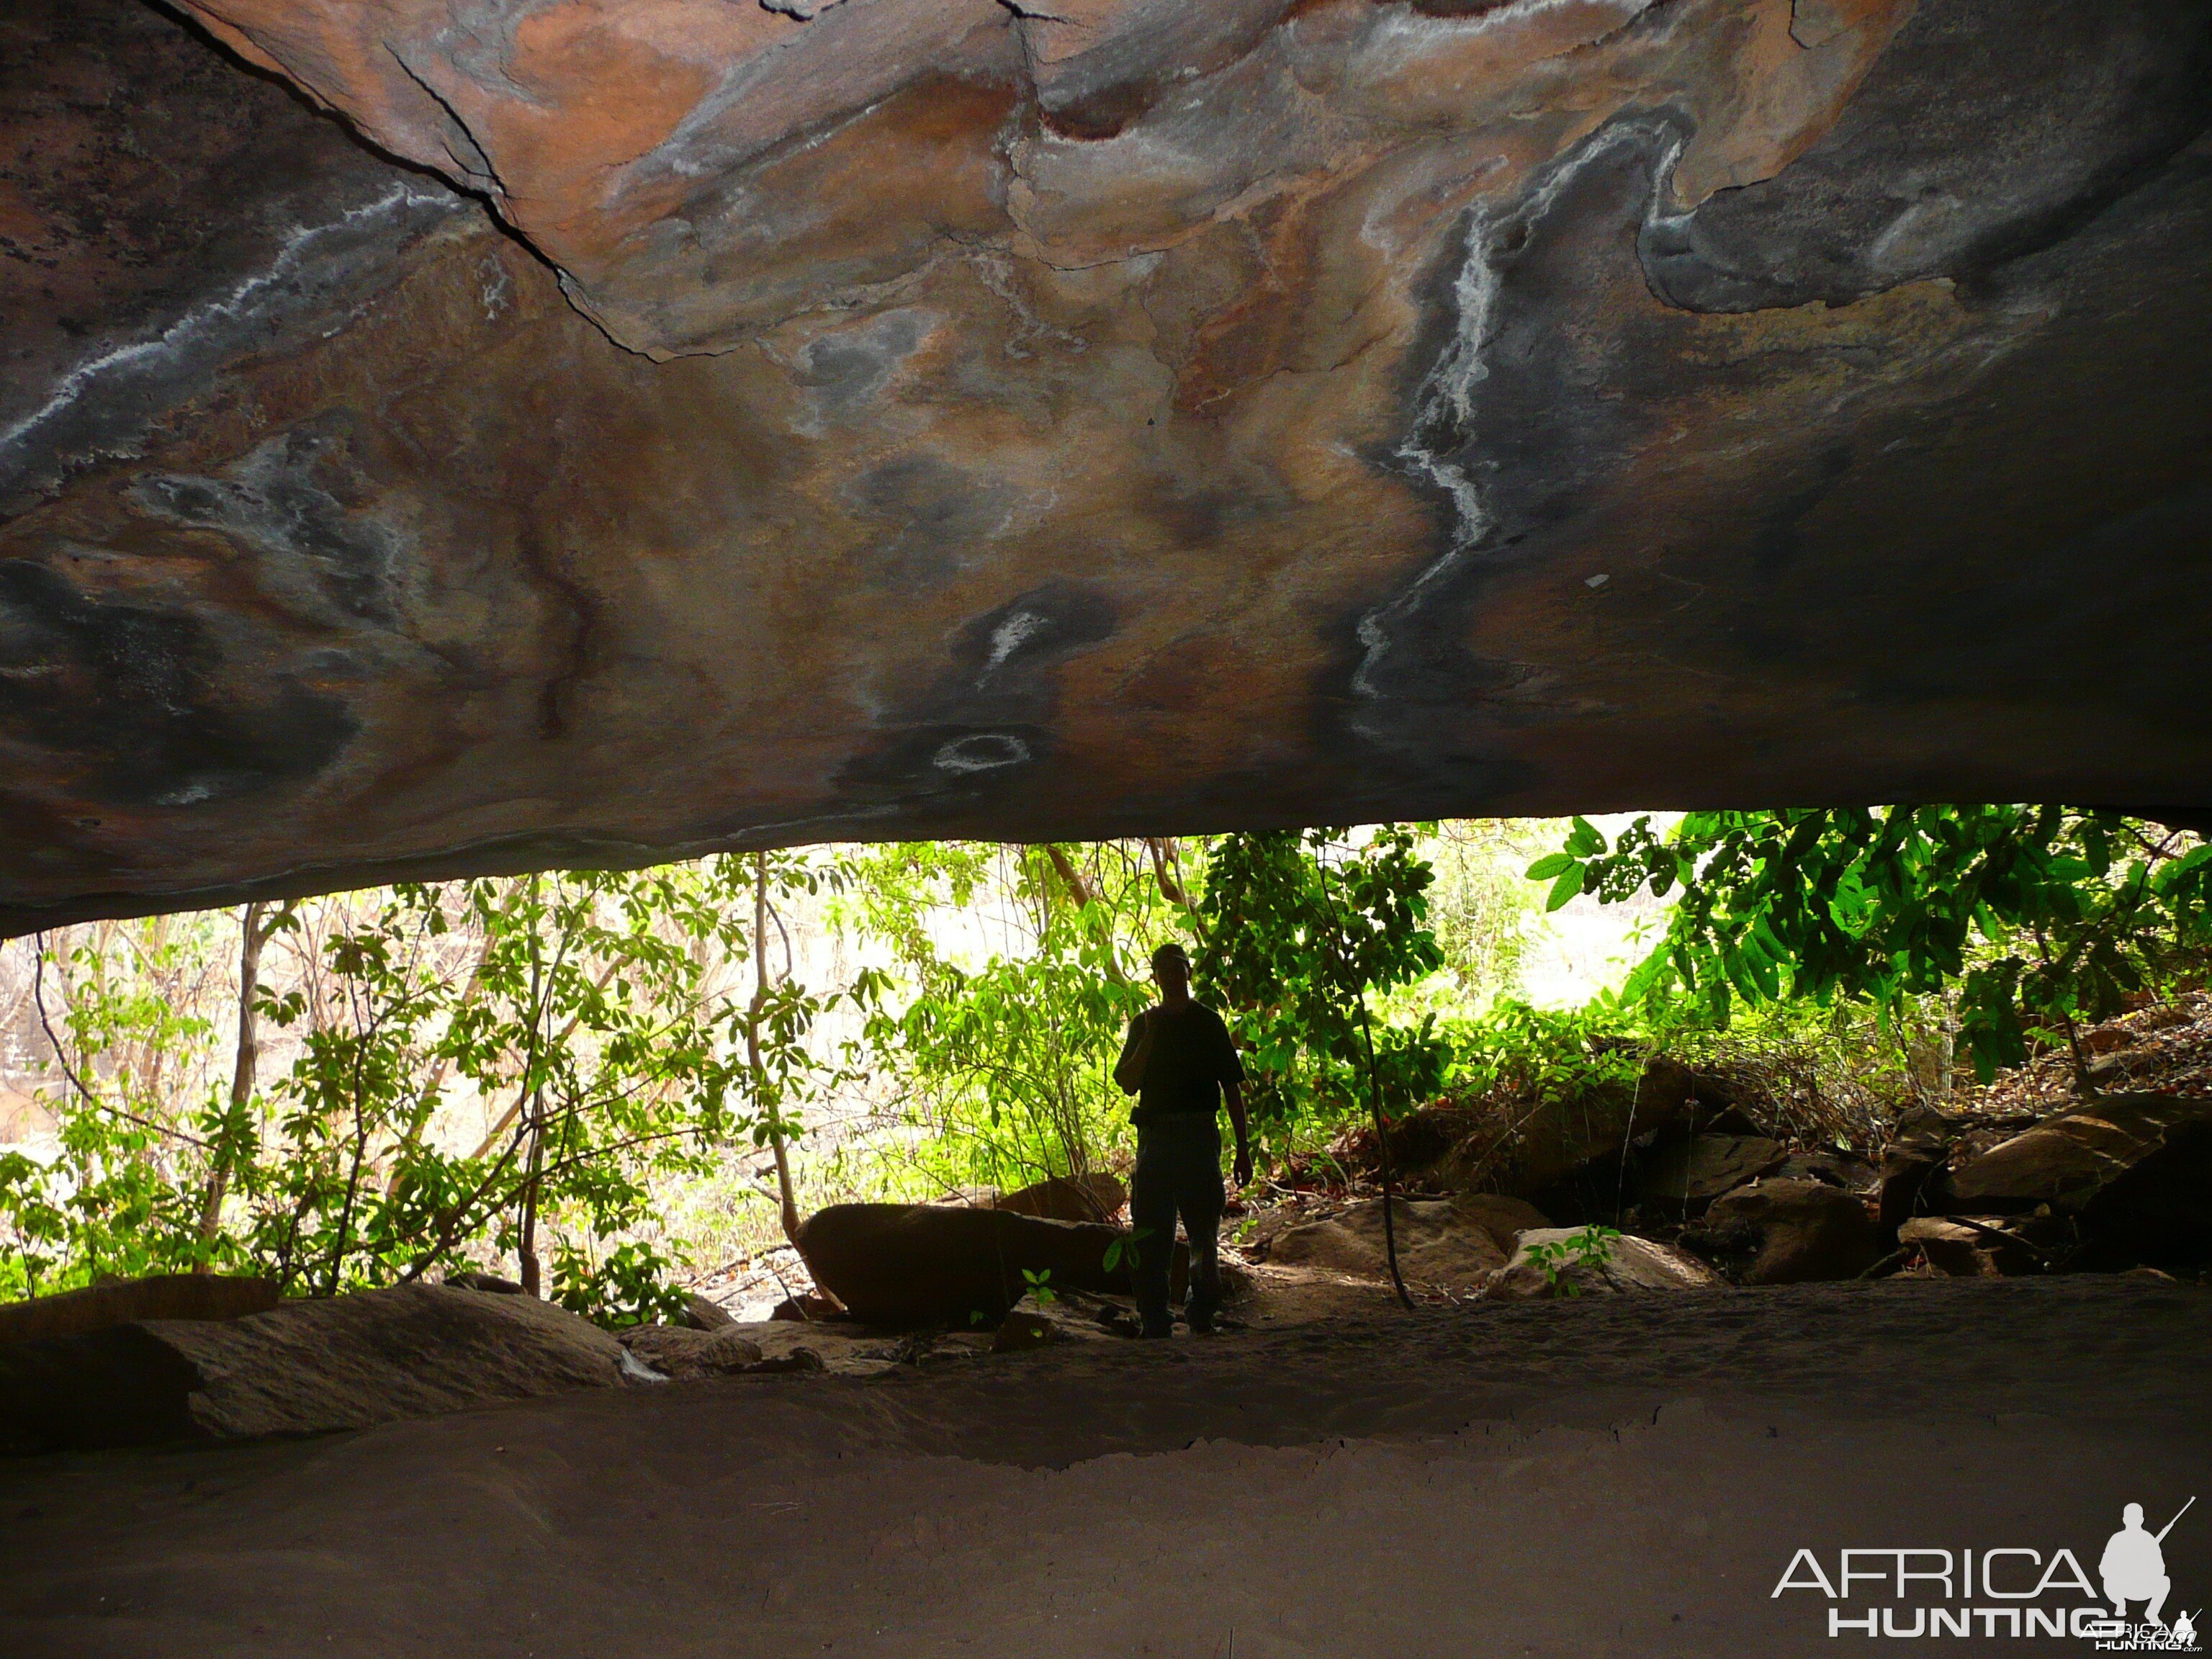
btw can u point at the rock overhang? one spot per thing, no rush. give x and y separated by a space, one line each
685 424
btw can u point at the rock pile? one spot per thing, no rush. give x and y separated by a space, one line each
2017 1184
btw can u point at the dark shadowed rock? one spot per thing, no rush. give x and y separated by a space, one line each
1097 1196
1529 1148
1787 1232
1681 1177
900 1264
2135 1169
305 1367
166 1296
1909 1176
703 1313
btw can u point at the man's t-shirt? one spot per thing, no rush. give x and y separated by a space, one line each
1192 1057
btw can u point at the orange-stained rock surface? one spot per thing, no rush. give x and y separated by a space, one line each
689 423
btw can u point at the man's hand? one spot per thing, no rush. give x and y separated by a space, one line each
1233 1093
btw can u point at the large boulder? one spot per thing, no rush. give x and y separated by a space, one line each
1526 1149
1628 1265
1684 1174
165 1296
1958 1248
923 1264
305 1367
1457 1243
1097 1196
2134 1170
1787 1232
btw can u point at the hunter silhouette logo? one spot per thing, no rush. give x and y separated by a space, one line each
2006 1592
2133 1566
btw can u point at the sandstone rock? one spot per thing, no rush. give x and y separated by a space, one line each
1025 397
838 1347
305 1367
1683 1176
1786 1232
1097 1196
1959 1251
166 1296
682 1352
805 1308
1455 1242
2135 1169
1504 1217
491 1284
897 1264
1834 1168
1529 1150
1632 1265
703 1313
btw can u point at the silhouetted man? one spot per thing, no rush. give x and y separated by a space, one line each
1179 1061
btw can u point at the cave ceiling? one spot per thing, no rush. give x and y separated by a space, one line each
460 436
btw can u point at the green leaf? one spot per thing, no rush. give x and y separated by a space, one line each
1551 866
1585 841
1565 889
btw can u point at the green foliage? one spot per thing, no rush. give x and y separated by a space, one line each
1040 1285
591 1024
1128 1247
1590 1247
1005 1065
632 1284
1479 908
2040 917
1298 929
1516 1050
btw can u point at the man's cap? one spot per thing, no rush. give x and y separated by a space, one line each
1171 949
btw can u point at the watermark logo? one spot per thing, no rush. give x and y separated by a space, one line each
1930 1592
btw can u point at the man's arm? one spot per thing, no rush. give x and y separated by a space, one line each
1136 1051
1233 1092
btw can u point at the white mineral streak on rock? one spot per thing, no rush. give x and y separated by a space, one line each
299 244
1448 396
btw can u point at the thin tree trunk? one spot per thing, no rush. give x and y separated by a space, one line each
526 1246
526 1251
1167 870
787 1196
1079 890
1373 1083
241 1077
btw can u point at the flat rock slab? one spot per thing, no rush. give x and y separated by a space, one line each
307 1367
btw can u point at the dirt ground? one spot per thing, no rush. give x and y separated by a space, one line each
1584 1478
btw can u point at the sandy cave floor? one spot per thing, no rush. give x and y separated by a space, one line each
1594 1477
